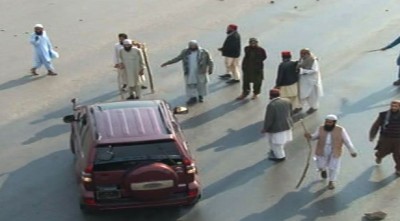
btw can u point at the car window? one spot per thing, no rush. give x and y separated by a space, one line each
124 156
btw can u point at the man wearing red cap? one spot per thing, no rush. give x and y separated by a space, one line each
278 125
253 68
231 51
287 79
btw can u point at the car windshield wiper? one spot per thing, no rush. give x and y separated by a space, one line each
123 159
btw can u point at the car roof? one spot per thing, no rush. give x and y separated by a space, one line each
131 121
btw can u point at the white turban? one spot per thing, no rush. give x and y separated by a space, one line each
38 26
127 42
331 117
193 43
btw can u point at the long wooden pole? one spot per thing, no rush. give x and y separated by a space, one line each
146 60
303 175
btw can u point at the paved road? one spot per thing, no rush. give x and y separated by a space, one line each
36 180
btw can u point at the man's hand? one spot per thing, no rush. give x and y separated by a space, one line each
121 66
116 66
307 135
141 72
353 155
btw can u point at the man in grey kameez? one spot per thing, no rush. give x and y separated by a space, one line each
197 65
132 63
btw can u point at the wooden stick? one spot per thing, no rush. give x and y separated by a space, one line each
303 175
146 61
373 50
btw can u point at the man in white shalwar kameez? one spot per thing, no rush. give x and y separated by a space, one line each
197 65
122 81
44 52
278 125
331 138
132 63
310 84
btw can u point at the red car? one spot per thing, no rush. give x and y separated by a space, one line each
131 154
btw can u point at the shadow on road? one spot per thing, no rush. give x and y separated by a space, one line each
236 138
294 203
369 102
49 132
236 179
20 81
212 114
67 108
53 195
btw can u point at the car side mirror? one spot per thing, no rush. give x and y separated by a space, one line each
181 110
69 119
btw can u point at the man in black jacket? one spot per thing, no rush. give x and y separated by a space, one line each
231 51
287 78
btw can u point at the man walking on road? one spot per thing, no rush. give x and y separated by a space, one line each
231 51
253 68
388 125
132 63
310 84
278 125
286 80
44 52
391 45
329 148
197 65
122 81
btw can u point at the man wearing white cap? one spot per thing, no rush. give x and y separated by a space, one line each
132 63
197 65
44 52
328 151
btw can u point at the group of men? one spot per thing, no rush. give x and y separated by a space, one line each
298 84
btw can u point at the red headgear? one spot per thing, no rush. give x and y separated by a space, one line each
286 54
232 27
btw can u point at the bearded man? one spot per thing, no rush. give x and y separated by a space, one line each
197 65
310 84
132 63
253 69
329 148
231 49
44 52
388 124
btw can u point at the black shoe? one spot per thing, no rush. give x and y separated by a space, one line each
311 110
297 110
143 87
131 97
277 159
396 83
201 99
324 175
225 76
233 81
192 100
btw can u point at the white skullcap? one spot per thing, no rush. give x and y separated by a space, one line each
38 26
331 117
127 42
193 42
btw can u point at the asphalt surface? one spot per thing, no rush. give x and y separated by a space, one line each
240 184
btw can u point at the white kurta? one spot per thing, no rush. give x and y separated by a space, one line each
328 161
310 81
44 52
133 63
193 68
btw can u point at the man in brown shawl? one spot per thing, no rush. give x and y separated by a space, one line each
253 69
388 125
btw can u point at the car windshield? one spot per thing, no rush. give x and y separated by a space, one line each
134 152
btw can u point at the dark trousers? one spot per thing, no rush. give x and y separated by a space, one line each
256 86
388 146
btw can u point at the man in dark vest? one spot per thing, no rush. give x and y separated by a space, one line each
253 69
286 80
231 51
388 125
278 125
